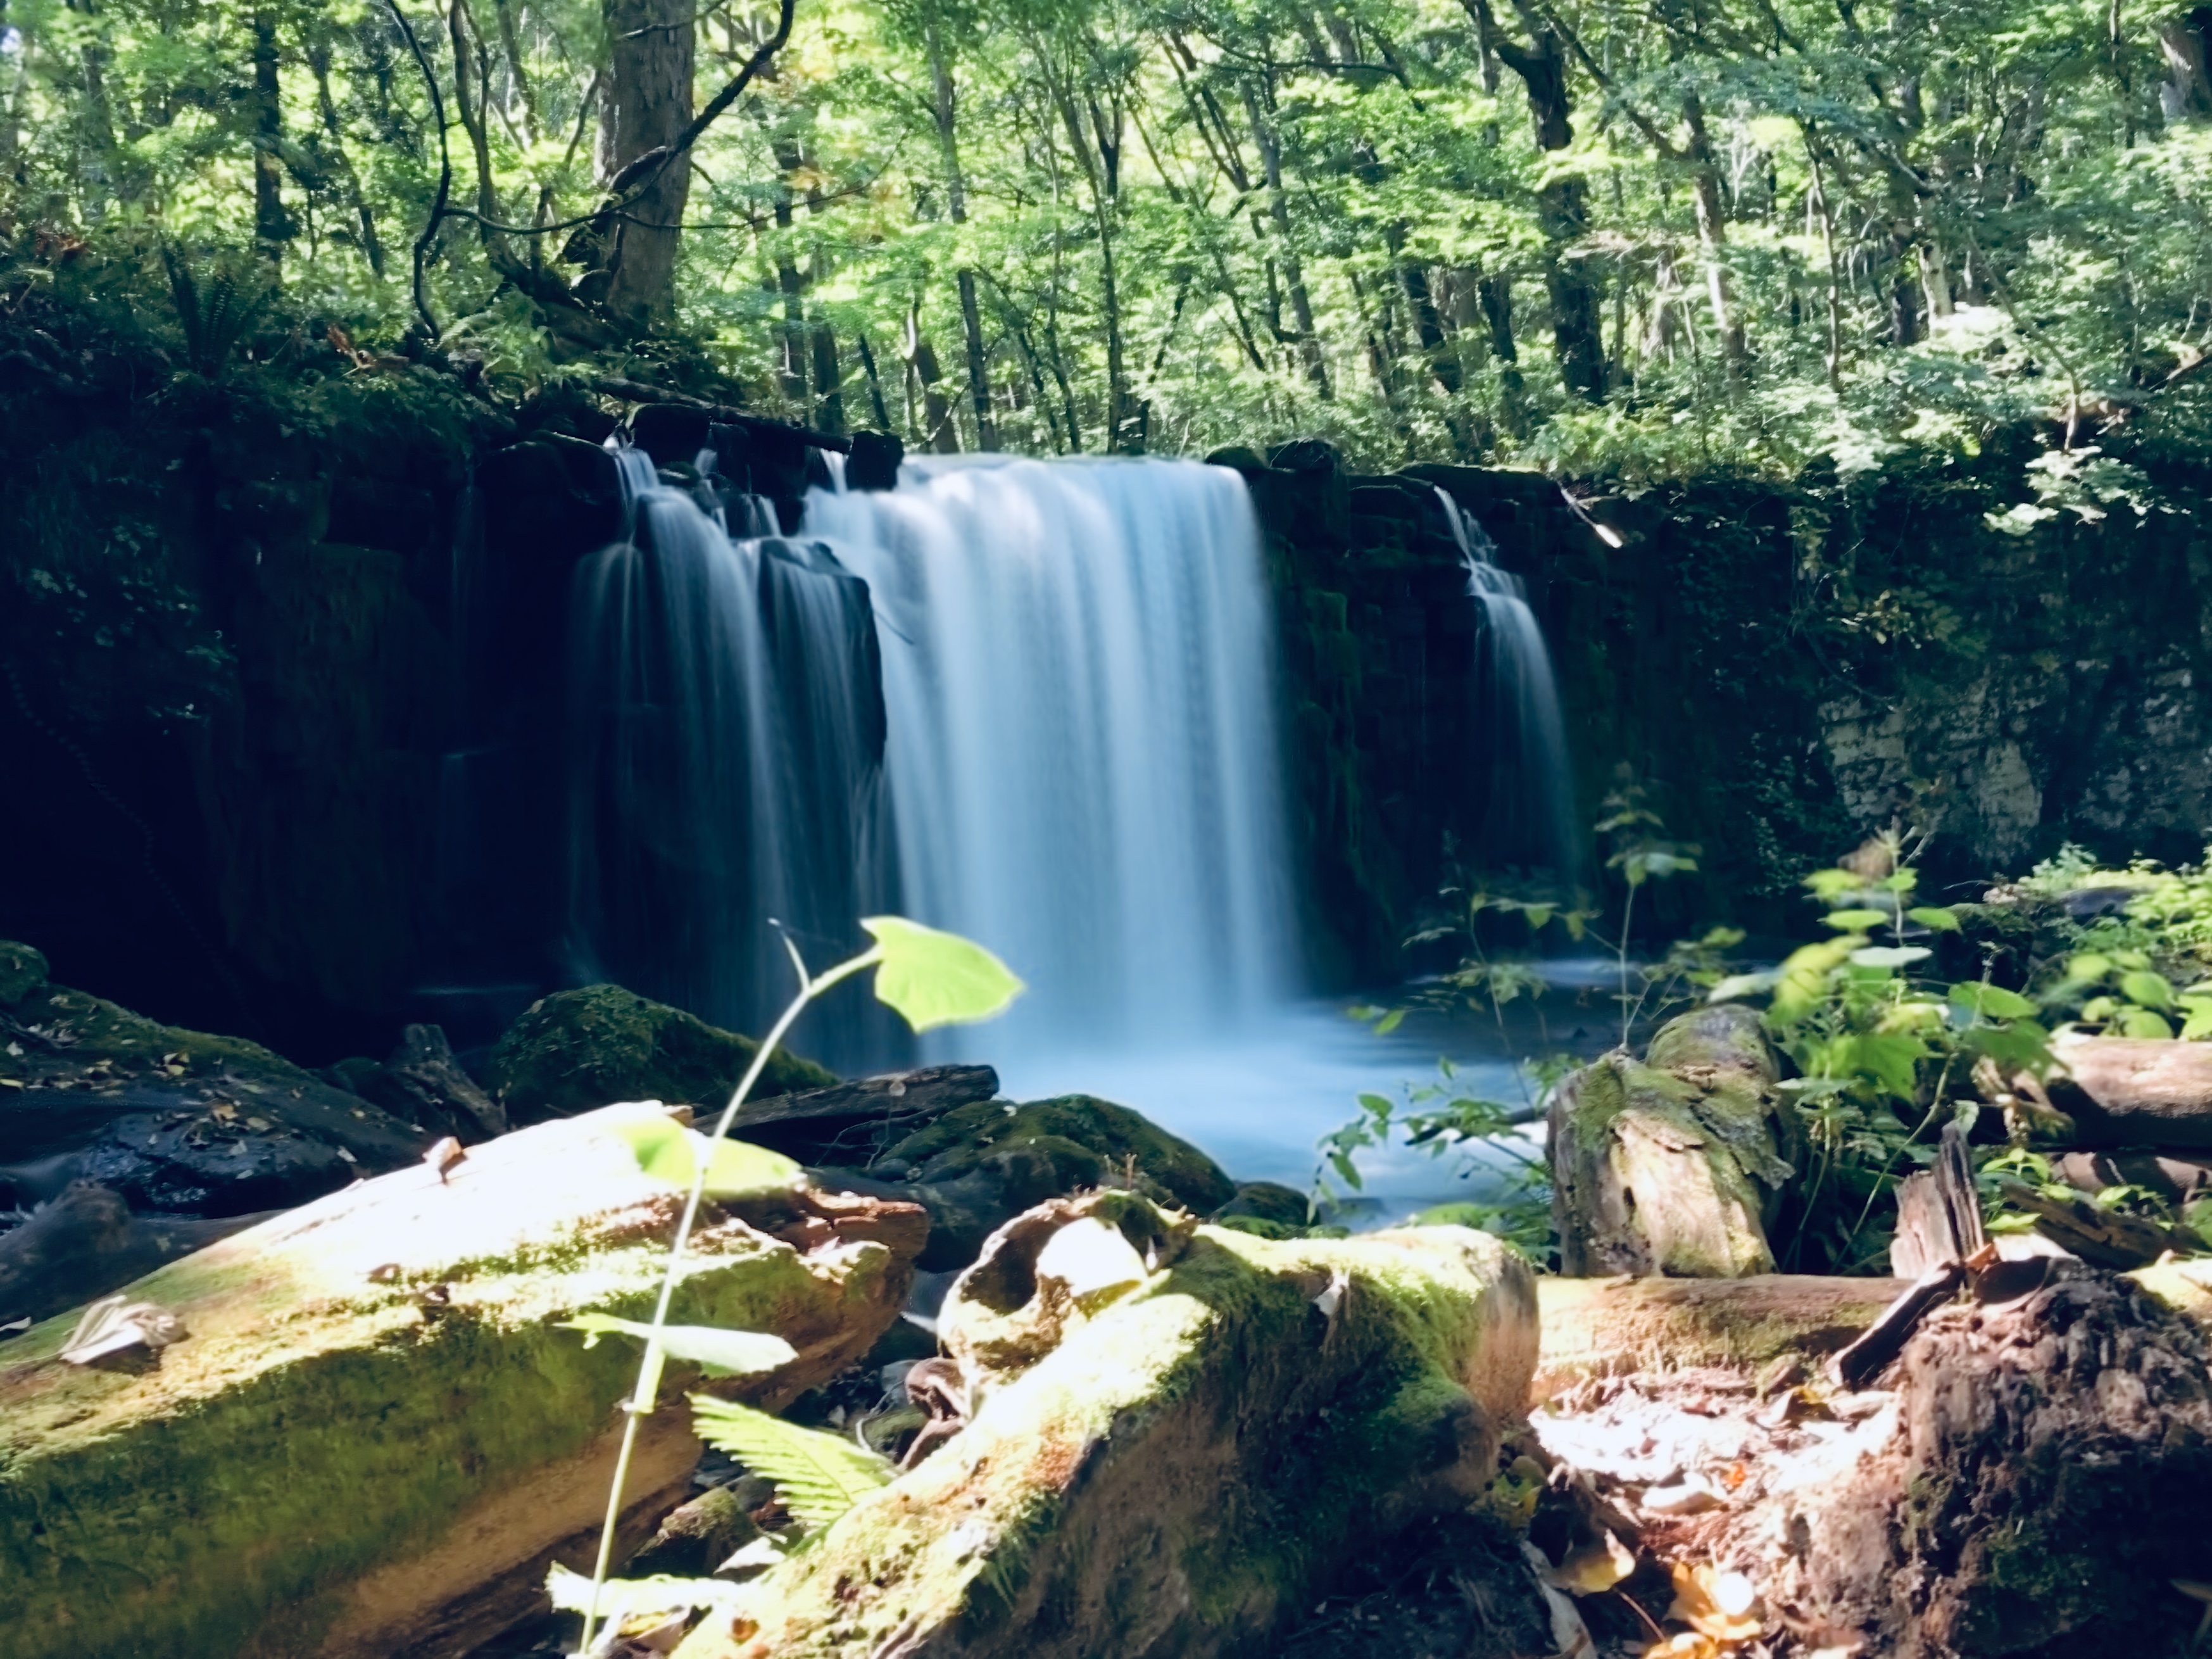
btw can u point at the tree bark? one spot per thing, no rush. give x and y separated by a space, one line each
272 226
646 105
944 109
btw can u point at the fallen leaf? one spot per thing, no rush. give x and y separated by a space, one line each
257 1123
224 1112
1722 1605
1595 1568
348 1156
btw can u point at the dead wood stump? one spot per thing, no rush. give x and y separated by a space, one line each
2043 1490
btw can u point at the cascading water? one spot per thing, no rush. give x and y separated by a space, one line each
727 736
1082 751
1528 818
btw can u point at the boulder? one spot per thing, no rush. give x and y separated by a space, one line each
423 1082
577 1050
979 1166
86 1242
372 1438
174 1121
1183 1431
1672 1166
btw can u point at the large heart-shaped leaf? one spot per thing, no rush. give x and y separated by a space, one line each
936 978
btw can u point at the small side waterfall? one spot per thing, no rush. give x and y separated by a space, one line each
1082 751
728 735
1529 814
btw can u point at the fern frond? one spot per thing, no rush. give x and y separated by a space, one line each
817 1476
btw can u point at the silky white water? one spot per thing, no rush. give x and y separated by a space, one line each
1082 754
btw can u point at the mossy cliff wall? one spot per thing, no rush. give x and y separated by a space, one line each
1785 667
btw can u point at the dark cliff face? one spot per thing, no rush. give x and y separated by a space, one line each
1786 668
283 666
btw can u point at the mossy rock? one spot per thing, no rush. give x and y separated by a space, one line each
1456 1214
22 970
577 1050
1089 1142
1266 1201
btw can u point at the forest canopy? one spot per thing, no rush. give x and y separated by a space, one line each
1565 233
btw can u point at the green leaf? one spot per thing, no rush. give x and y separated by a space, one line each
720 1352
935 978
2087 967
817 1476
1934 916
1991 1001
1390 1022
2142 1023
2151 990
2199 1023
1890 955
1856 921
1377 1105
2099 1008
668 1151
1830 884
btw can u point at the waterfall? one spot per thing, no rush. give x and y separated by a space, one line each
1529 811
727 736
1082 754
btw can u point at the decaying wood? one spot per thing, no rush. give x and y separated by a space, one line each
1612 1326
1672 1166
2107 1238
2135 1091
1204 1443
2177 1177
1883 1341
423 1074
2039 1494
853 1122
383 1432
1939 1213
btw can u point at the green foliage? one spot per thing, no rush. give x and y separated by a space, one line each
668 1151
818 1475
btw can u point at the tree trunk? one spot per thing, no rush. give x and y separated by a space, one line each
944 107
272 226
1279 211
1713 235
942 435
647 104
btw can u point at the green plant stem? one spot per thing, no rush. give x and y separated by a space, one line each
1627 916
649 1364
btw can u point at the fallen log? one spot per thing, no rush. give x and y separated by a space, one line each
853 1123
2175 1177
1672 1166
1210 1434
372 1438
1613 1327
2134 1091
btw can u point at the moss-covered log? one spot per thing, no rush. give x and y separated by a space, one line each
1671 1165
1612 1326
1208 1438
374 1436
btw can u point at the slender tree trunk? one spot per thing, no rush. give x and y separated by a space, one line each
533 125
943 435
945 109
1713 237
1496 295
647 104
318 62
875 380
788 277
1279 210
272 226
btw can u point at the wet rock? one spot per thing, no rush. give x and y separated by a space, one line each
174 1121
422 1082
1199 1450
577 1050
384 1438
698 1536
979 1166
86 1242
874 462
1266 1201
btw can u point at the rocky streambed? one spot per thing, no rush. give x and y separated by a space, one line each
287 1369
